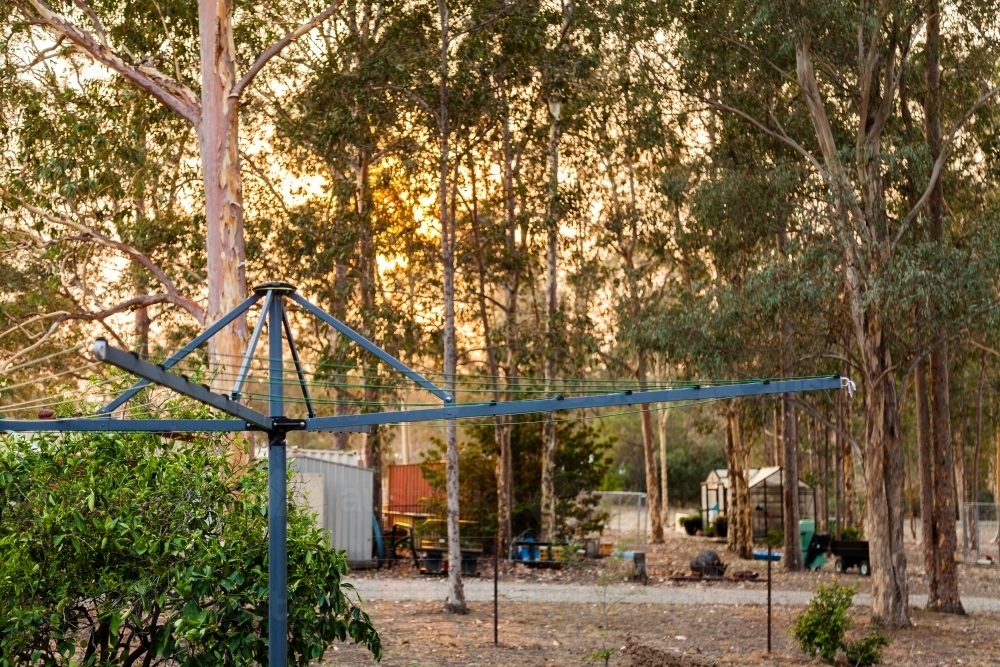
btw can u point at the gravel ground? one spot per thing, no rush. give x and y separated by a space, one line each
537 634
479 590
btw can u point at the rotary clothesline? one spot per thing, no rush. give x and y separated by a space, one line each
277 424
383 385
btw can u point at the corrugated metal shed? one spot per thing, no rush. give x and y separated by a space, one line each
346 507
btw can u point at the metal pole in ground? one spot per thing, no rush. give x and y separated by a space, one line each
277 501
496 579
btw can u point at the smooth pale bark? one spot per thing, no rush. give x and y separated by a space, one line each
791 559
649 458
340 440
551 324
214 114
503 425
957 438
925 476
652 483
142 323
367 273
946 597
661 423
455 602
218 137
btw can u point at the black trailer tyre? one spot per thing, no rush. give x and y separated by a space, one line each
866 569
838 566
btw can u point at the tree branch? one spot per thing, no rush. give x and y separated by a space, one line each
279 45
98 26
819 417
173 294
174 94
942 158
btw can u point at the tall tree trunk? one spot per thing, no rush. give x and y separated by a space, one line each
867 218
775 446
838 457
503 492
925 474
218 138
974 490
883 467
503 426
740 537
661 422
649 456
958 446
340 440
791 558
851 504
455 602
824 515
367 265
732 466
945 598
551 328
142 323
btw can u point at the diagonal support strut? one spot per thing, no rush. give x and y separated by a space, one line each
159 375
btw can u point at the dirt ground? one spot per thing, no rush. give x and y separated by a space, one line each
536 634
420 634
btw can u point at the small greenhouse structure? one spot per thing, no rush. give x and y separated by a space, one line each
766 489
715 494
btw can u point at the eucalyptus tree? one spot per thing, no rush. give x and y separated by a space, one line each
351 120
168 51
840 119
633 151
91 174
747 301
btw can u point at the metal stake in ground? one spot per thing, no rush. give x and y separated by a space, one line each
496 579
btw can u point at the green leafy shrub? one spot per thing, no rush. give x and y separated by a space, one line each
821 628
866 651
119 547
775 537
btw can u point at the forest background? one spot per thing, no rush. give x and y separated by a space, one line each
527 198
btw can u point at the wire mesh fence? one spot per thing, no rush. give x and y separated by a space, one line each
979 533
628 513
